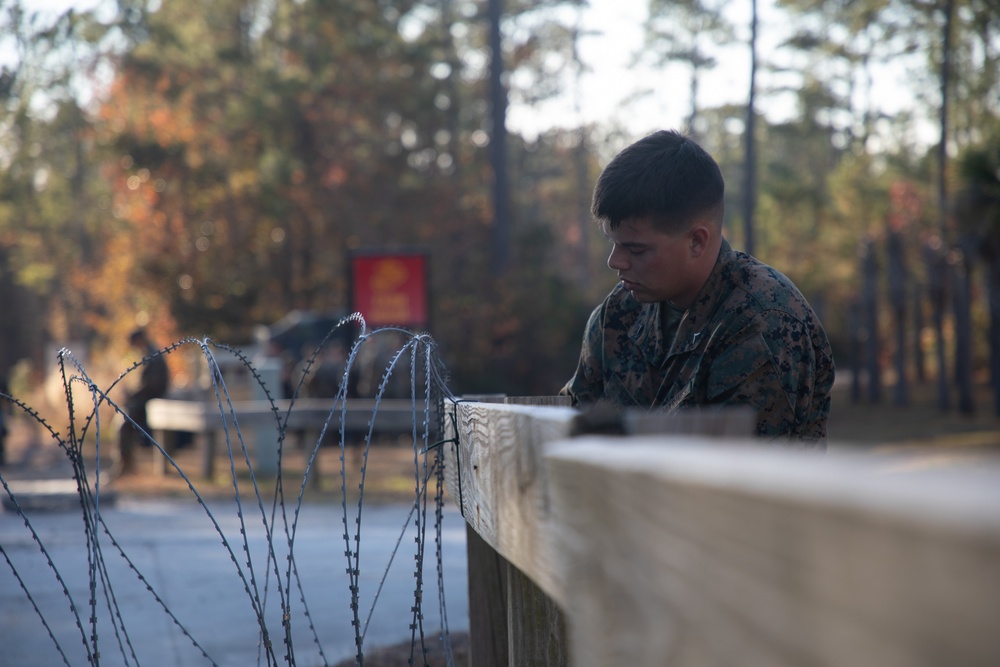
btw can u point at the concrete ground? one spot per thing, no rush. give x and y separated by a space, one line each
179 551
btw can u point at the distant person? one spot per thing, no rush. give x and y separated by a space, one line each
153 383
326 375
4 419
287 363
693 322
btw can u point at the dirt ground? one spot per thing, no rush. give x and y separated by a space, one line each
920 430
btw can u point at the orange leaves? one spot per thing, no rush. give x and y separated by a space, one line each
335 176
160 111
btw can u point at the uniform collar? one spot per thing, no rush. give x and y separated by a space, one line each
647 332
711 293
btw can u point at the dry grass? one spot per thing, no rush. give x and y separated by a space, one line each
919 429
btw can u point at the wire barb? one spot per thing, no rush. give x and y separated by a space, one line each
279 517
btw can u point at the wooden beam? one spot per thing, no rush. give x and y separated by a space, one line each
512 621
489 641
686 554
694 552
536 626
496 471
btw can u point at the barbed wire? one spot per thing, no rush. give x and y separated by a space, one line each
279 516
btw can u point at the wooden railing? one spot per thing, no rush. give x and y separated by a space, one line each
694 551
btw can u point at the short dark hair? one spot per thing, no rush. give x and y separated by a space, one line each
665 177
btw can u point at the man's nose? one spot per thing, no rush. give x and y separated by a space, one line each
617 260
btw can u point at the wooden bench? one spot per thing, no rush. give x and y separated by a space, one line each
168 417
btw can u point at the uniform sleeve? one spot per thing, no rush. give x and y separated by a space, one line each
587 384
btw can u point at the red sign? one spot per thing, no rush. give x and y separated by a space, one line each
390 290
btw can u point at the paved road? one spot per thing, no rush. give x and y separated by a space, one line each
180 553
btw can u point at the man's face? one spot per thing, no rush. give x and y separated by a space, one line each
653 265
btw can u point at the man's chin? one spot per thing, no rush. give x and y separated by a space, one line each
643 297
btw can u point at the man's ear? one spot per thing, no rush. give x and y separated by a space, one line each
700 236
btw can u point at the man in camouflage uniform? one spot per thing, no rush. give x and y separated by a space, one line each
692 321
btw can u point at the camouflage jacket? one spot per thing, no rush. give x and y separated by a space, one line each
749 338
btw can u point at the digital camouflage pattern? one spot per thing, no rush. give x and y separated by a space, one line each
750 338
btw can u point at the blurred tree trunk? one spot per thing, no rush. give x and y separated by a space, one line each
750 144
854 334
498 144
978 214
898 280
452 83
937 290
684 31
962 305
961 272
869 273
993 295
581 162
919 366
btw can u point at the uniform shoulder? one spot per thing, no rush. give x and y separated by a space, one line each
768 287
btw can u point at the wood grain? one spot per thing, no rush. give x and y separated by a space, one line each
492 441
694 555
489 643
497 472
690 551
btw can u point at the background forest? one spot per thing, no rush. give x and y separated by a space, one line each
202 168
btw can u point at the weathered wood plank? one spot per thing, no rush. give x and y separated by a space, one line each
497 469
505 605
497 472
489 642
692 556
536 627
497 475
